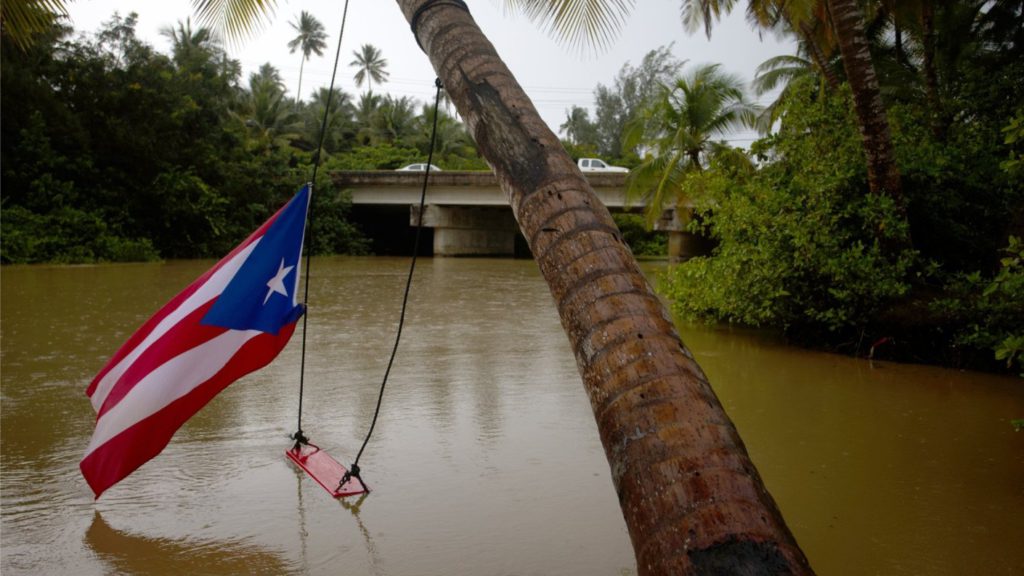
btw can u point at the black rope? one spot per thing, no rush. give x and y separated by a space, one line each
299 437
414 22
353 471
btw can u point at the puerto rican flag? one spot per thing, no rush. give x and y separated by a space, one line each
232 320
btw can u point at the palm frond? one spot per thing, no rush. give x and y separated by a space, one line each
778 70
235 19
578 23
704 13
23 19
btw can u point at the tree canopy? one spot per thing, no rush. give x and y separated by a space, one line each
113 151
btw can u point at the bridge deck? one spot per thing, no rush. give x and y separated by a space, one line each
454 188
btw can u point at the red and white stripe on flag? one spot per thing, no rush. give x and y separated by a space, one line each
176 363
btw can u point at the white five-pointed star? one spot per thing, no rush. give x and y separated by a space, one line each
276 284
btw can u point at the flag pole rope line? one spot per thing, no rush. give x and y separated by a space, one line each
299 437
353 470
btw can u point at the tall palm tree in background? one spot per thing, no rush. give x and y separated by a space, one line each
449 137
339 125
365 109
577 126
393 121
677 128
782 70
370 66
268 117
872 119
310 40
846 20
805 20
188 45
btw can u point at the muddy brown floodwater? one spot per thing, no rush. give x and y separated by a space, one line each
486 459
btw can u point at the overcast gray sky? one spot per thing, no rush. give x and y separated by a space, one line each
555 76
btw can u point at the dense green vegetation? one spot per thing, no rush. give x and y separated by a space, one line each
887 230
914 254
113 151
806 245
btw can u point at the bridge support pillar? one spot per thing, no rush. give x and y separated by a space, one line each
469 230
682 245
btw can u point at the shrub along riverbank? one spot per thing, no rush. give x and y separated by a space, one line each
801 247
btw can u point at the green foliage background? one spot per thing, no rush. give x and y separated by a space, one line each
112 151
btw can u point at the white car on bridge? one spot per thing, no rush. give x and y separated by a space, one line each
598 165
418 168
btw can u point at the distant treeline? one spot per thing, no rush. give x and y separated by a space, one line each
113 151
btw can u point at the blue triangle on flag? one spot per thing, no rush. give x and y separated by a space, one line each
261 296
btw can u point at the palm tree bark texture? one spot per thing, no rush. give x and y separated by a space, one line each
692 499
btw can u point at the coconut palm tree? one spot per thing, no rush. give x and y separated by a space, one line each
370 67
873 121
678 128
450 136
577 126
23 19
310 40
779 70
805 20
847 22
268 117
189 46
366 108
691 497
339 126
394 121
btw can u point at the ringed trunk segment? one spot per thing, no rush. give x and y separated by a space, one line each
691 498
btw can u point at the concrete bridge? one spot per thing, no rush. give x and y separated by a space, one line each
468 212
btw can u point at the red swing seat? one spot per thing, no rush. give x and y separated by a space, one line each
327 471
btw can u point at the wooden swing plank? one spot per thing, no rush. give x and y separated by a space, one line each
325 470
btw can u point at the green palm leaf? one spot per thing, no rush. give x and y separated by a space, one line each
23 19
578 23
237 19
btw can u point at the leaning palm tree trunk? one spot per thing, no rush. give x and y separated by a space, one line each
692 500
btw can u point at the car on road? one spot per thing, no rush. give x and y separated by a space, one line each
418 168
598 165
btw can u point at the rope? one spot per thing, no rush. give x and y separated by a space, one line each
353 471
299 437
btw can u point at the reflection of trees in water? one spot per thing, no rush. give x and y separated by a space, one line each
127 553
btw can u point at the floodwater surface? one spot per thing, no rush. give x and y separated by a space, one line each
486 458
